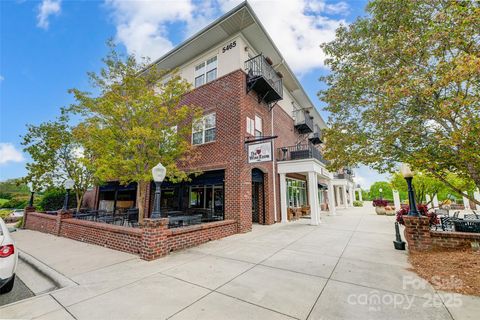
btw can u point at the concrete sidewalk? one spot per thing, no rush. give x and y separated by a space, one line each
346 268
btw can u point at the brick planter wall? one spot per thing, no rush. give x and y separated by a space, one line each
151 241
420 238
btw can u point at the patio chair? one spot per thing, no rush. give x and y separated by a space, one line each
447 223
455 214
131 218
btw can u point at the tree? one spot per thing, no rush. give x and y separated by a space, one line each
405 87
57 156
134 122
386 193
423 184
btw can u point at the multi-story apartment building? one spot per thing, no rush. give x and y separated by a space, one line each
259 141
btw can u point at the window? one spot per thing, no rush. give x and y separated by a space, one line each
254 127
258 126
296 193
206 71
203 130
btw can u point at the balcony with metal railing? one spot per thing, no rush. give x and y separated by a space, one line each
263 79
303 121
316 136
299 152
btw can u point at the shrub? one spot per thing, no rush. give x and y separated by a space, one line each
380 203
423 209
54 198
5 195
16 202
357 203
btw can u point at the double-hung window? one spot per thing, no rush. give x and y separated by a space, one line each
203 130
206 71
254 127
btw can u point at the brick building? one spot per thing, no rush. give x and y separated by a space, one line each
259 142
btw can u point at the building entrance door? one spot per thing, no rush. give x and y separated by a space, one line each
258 197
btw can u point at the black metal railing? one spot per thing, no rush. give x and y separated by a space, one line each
343 176
303 121
258 67
300 151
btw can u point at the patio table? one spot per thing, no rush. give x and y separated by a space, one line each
467 225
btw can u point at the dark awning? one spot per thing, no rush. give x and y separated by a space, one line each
208 178
322 186
112 186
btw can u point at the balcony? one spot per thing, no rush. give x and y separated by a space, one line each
303 121
263 79
298 152
316 136
347 175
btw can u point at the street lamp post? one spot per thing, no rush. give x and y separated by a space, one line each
408 175
32 192
381 194
68 186
158 173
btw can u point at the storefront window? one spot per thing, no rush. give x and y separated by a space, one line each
296 193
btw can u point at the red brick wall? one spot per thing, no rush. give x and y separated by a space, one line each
102 234
151 241
453 240
420 238
181 238
41 222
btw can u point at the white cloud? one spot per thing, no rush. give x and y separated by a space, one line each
8 153
1 78
297 27
366 176
45 10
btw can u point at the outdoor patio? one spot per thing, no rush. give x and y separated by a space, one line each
345 268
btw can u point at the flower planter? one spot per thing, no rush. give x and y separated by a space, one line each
380 210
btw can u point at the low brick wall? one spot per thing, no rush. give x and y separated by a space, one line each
110 236
152 240
181 238
41 222
453 240
419 237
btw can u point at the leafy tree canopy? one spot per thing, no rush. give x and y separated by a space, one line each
136 121
405 87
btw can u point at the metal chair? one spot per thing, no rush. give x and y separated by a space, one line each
467 226
447 223
131 217
455 214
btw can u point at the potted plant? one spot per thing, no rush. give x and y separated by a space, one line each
380 205
423 209
390 210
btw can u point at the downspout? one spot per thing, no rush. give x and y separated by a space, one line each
274 172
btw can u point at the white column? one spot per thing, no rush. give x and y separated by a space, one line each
476 196
466 202
337 193
355 194
435 201
283 196
345 202
427 200
360 194
396 200
313 198
331 199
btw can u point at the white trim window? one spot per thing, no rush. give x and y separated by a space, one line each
206 71
254 127
204 129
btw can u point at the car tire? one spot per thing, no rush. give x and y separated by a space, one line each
8 286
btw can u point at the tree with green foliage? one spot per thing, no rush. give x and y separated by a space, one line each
57 156
405 87
423 185
386 193
134 122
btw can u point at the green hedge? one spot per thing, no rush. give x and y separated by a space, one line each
53 199
357 203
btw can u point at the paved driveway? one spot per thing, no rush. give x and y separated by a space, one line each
346 268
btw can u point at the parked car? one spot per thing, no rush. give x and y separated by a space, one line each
8 259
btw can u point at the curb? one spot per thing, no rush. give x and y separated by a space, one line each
54 276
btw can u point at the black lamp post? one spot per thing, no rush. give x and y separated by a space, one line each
68 186
32 192
158 173
381 193
408 175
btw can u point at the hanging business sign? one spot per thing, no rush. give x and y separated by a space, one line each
260 152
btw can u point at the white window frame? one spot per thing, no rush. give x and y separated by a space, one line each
200 125
258 126
203 69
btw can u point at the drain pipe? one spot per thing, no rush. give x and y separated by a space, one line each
274 177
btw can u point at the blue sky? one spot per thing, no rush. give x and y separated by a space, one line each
47 46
